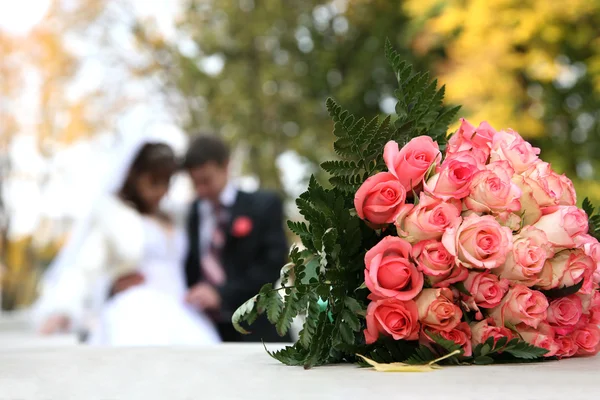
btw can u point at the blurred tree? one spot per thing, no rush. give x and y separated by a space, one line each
259 71
38 71
531 65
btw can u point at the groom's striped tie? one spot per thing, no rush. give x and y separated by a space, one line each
211 261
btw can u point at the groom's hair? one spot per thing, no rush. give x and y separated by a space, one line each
206 148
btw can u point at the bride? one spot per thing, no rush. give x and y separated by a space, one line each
125 234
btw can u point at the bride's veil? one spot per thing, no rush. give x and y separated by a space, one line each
119 160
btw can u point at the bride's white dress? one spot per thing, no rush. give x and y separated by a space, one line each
155 312
120 241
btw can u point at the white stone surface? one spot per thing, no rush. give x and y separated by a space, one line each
247 372
20 340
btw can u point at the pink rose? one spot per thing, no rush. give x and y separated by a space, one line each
587 339
543 337
509 145
483 330
562 225
457 274
410 164
584 241
453 179
594 308
508 219
521 305
437 264
583 322
569 267
427 220
389 271
492 190
486 289
530 210
432 258
527 259
436 309
549 188
379 198
564 313
392 317
467 138
479 242
592 249
461 335
595 316
586 302
566 346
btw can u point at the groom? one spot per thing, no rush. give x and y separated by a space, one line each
236 241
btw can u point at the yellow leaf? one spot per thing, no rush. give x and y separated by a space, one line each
402 367
398 366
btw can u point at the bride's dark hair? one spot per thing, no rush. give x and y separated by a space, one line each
156 159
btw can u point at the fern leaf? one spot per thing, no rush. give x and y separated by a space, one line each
346 333
421 355
310 323
271 303
290 355
588 207
319 346
353 305
440 128
243 313
341 167
347 183
290 310
302 231
525 350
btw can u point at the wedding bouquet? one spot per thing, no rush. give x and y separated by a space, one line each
468 248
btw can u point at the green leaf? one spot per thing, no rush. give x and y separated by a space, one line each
448 346
346 333
483 360
563 291
587 207
290 355
485 349
341 168
460 286
353 305
351 320
324 290
302 230
318 349
510 326
525 350
274 306
290 310
500 343
242 314
263 295
309 327
421 355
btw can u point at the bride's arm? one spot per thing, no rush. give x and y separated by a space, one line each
112 247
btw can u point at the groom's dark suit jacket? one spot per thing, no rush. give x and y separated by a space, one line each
249 261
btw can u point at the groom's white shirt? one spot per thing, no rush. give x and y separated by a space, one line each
207 215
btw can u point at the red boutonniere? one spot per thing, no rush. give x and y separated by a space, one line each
242 226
